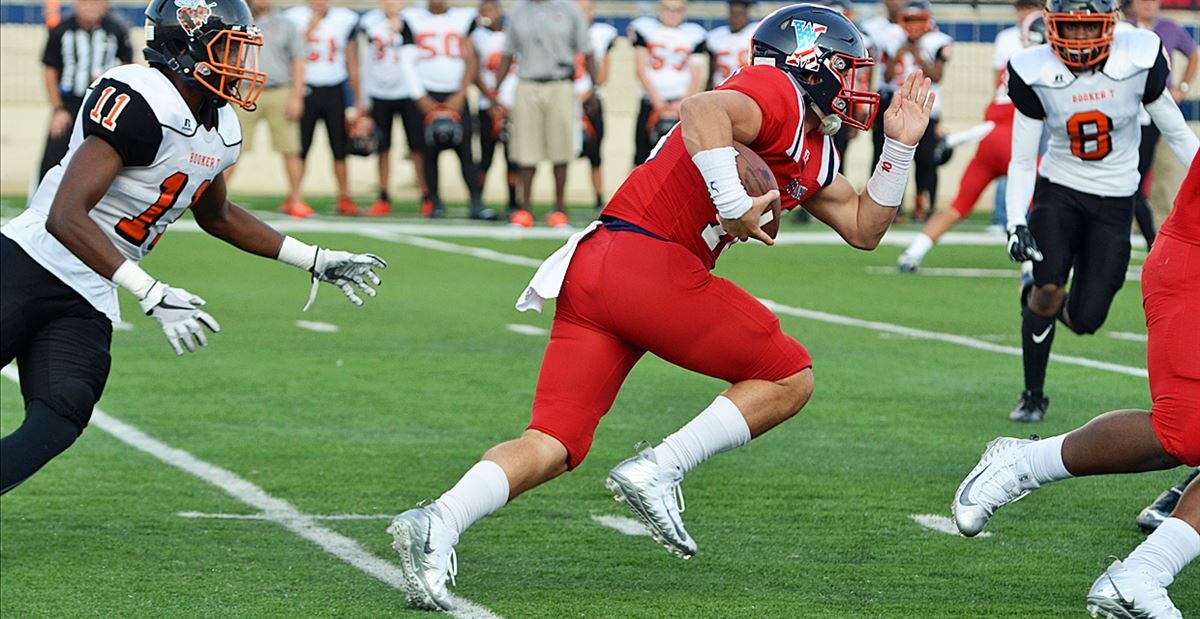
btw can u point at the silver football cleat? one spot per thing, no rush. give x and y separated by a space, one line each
1000 478
1122 593
427 558
653 493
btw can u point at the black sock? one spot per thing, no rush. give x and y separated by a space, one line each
42 436
512 197
383 195
1037 334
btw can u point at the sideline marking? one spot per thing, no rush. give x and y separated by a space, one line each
1129 337
273 509
621 524
122 326
941 524
317 327
527 330
264 516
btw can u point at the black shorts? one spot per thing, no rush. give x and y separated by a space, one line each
327 104
593 114
1085 233
60 341
384 110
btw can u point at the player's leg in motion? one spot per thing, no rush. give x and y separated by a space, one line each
61 343
470 174
1127 441
1155 513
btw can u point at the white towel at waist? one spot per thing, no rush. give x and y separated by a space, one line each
547 282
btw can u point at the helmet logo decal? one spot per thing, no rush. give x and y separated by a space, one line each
805 55
193 14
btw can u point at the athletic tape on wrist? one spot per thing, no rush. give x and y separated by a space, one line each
886 185
131 277
718 166
297 254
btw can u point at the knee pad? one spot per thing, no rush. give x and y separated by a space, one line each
73 400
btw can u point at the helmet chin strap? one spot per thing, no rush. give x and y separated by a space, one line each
830 123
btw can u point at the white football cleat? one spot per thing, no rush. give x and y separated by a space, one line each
1123 593
653 493
1001 477
908 263
427 558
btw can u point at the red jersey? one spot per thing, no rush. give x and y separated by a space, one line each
668 197
1184 221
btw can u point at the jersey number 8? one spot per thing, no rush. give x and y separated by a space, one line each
1090 137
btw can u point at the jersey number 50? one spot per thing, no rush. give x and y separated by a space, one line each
1090 135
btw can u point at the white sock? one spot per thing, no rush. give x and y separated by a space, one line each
1166 551
481 491
1045 461
717 429
920 246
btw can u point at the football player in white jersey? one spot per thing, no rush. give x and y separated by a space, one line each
149 143
729 45
332 62
927 49
390 83
591 95
1085 87
446 66
488 39
670 66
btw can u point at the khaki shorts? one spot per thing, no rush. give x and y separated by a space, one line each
285 134
545 122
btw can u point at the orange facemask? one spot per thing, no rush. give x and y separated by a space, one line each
231 71
1081 53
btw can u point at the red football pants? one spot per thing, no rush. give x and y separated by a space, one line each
1171 298
626 294
989 163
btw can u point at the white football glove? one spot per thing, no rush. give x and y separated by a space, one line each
177 311
345 270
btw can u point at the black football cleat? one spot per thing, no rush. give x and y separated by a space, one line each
1030 408
1158 511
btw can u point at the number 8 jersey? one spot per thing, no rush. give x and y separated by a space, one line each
169 160
1092 117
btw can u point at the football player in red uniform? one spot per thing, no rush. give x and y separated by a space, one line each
1127 441
639 281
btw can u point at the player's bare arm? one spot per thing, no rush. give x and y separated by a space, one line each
86 180
863 218
641 63
712 121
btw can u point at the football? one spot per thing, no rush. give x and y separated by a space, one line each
757 179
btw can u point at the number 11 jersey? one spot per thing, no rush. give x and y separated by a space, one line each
169 160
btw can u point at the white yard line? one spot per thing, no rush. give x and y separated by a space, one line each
267 517
1133 274
527 330
1129 337
317 327
941 524
621 524
272 508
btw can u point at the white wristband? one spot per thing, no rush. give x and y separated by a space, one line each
886 185
718 166
131 277
297 254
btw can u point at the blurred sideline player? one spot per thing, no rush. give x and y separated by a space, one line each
728 46
670 66
1085 88
488 39
390 83
603 37
1126 441
446 66
149 144
331 62
1155 513
991 156
927 49
652 257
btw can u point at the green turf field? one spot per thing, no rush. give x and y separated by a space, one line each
813 520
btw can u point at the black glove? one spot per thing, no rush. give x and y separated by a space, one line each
1021 246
